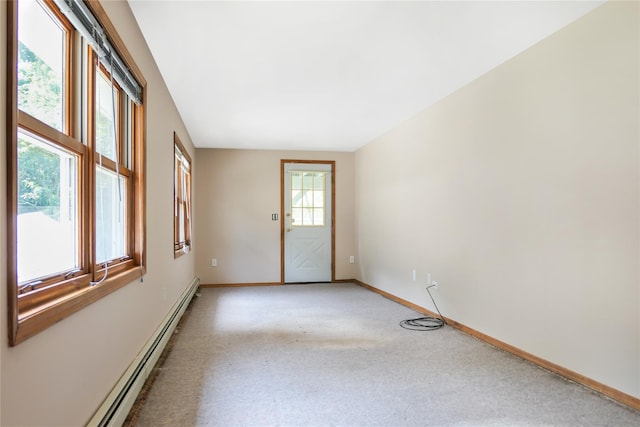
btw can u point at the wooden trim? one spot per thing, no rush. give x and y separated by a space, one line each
55 289
140 182
183 150
282 221
333 221
610 392
12 166
36 127
110 165
45 316
90 205
238 285
333 212
395 298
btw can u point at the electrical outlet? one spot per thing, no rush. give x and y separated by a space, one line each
352 259
214 262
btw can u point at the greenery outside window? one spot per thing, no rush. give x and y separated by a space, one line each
76 169
182 199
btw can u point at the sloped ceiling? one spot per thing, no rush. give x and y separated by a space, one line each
329 75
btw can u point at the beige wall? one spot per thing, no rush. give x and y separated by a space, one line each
520 195
61 375
236 193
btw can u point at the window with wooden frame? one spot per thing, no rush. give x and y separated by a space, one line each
75 151
181 199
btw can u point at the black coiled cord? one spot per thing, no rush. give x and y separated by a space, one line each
427 323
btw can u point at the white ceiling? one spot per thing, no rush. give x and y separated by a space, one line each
329 75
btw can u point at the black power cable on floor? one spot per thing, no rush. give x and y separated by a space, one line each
427 323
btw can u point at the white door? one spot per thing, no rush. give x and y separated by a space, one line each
307 222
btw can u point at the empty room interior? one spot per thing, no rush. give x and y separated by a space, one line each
160 152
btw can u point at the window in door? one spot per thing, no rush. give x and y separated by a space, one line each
308 189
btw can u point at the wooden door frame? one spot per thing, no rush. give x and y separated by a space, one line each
333 212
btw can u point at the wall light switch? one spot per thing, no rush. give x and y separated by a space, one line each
274 217
214 262
352 259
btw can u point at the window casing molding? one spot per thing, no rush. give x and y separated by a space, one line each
182 170
47 300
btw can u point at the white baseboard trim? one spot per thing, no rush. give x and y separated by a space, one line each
116 407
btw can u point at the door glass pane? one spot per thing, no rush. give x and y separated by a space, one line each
308 199
307 216
318 199
296 198
47 209
307 180
296 180
41 50
110 216
106 117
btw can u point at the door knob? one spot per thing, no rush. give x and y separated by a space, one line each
288 230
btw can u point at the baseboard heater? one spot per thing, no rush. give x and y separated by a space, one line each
116 407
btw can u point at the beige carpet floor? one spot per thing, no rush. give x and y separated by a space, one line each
335 355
